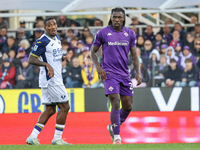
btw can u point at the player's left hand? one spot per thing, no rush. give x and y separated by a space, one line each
139 79
66 58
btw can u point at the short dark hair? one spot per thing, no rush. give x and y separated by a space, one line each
47 19
64 42
188 60
172 60
178 23
118 9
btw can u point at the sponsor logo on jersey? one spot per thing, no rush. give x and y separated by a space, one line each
126 34
35 48
120 43
39 42
109 34
110 88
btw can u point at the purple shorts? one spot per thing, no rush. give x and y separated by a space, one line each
119 85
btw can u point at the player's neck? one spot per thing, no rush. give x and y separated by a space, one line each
53 37
118 29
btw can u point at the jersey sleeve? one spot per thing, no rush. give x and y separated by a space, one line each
98 39
39 48
133 38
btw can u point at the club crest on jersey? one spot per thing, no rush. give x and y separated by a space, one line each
110 88
35 48
126 34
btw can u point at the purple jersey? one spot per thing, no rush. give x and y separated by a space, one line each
116 46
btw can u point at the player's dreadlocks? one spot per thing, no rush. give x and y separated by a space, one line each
117 9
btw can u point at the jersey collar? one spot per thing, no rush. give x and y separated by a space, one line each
50 37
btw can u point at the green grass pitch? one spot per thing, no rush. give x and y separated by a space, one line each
175 146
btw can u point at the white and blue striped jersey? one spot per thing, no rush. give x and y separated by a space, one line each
49 50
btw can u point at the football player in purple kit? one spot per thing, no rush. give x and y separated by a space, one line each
117 41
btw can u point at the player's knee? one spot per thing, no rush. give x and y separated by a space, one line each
52 111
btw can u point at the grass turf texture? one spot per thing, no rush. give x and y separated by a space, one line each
174 146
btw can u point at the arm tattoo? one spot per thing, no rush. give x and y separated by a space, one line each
135 60
35 61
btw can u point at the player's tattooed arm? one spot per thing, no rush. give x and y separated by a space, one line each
93 56
35 61
136 64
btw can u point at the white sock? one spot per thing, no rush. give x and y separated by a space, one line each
117 137
58 131
37 129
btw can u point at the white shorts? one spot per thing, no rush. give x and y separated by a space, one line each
54 94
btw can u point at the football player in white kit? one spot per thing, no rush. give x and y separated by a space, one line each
47 53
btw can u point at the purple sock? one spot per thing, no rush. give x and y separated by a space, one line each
115 121
123 115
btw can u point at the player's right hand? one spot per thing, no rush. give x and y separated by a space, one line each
50 71
101 73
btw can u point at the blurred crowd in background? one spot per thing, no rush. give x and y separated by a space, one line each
167 58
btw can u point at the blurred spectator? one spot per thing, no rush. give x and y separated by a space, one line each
140 43
163 48
38 19
149 35
90 75
66 22
178 49
12 57
74 79
76 31
80 47
178 26
40 24
24 75
147 50
184 55
193 21
144 75
196 50
7 74
21 36
3 37
159 72
26 45
176 38
135 22
70 34
65 46
190 41
169 21
9 45
86 32
135 31
172 75
197 30
158 41
74 42
21 53
167 36
3 23
22 24
83 58
154 59
170 53
97 23
89 40
4 55
37 34
190 74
